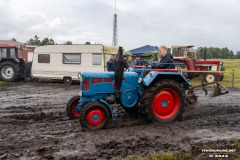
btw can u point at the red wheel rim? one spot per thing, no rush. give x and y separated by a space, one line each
166 103
74 109
95 117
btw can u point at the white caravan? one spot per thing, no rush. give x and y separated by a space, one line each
66 61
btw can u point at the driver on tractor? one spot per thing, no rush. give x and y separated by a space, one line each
166 59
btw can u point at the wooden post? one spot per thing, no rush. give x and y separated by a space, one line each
233 79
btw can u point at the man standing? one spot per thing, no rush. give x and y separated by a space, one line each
126 66
111 64
138 61
130 61
153 61
166 59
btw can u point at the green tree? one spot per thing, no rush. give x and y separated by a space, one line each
237 56
51 42
37 42
34 41
87 43
68 43
45 41
13 39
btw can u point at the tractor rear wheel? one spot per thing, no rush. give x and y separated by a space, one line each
163 101
94 115
9 71
210 77
72 111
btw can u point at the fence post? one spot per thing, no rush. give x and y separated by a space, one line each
233 86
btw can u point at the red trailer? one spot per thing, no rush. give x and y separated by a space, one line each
12 61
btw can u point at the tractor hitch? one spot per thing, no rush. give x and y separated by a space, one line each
192 98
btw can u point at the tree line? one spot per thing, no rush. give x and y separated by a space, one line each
212 52
219 53
35 41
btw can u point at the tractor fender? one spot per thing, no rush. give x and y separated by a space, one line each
177 76
109 107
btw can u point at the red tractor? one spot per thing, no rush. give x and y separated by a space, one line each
12 64
185 56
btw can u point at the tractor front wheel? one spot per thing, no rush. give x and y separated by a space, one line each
72 110
94 116
163 101
210 77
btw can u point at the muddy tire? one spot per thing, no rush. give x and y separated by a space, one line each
67 80
9 71
72 113
163 101
94 116
210 77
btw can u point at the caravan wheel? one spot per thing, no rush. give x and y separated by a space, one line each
67 80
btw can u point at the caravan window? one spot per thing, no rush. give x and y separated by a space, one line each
44 58
71 58
96 58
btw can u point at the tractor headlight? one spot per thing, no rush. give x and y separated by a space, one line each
80 93
80 77
140 80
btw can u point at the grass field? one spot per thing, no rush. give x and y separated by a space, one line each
229 65
2 83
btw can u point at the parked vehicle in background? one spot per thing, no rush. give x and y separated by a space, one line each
66 61
12 63
194 67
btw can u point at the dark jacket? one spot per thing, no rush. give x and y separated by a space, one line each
138 62
168 58
153 63
111 65
125 64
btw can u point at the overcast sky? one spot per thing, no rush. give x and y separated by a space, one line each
208 23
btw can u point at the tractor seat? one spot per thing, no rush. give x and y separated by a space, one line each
166 70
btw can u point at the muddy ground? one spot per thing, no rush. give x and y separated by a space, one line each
33 125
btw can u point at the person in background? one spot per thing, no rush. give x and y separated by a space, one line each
153 61
130 61
126 66
165 58
138 61
111 64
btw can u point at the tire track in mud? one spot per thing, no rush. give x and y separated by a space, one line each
34 125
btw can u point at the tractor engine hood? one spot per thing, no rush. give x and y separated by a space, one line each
92 83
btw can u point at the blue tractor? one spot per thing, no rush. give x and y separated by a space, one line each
160 94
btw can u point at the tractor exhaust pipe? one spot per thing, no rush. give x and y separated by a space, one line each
205 53
118 74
